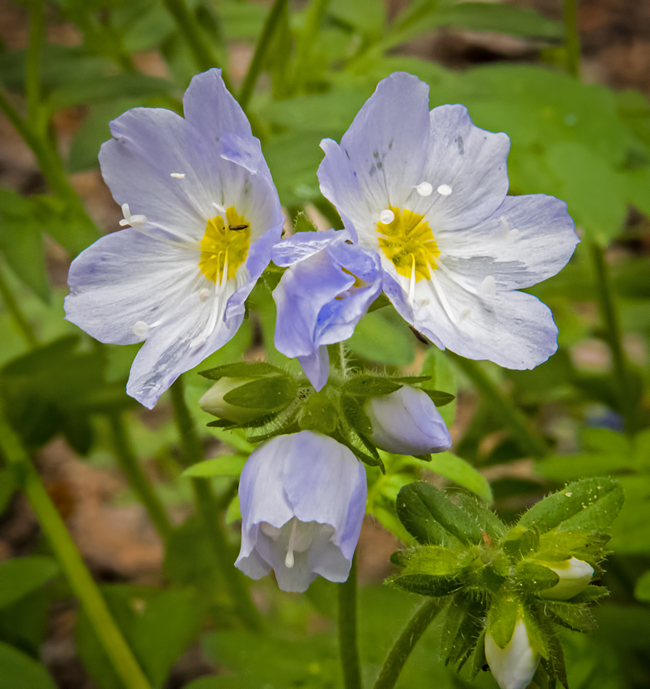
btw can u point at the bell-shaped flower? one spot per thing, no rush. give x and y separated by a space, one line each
302 499
574 574
514 666
427 192
406 422
327 289
203 215
214 403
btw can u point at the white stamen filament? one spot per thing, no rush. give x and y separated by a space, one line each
177 175
412 281
289 559
135 221
221 209
386 216
442 298
444 190
510 234
216 311
424 189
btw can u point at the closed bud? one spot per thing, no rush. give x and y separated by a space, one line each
574 574
406 422
213 401
513 666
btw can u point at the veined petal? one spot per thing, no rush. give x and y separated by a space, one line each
526 240
302 245
466 168
316 366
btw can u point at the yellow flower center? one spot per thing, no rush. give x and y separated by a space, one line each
409 243
224 247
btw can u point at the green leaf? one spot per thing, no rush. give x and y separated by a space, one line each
19 671
439 398
534 578
370 386
302 223
428 571
571 615
266 393
443 379
591 503
456 469
355 415
382 336
368 16
242 369
319 414
22 575
226 465
502 618
433 519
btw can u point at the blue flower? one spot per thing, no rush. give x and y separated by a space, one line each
427 192
302 498
322 296
203 215
406 422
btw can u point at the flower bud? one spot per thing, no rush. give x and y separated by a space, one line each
574 574
407 422
213 401
514 666
302 499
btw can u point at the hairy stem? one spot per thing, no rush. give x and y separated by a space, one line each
513 418
348 647
208 510
74 568
137 479
21 322
401 650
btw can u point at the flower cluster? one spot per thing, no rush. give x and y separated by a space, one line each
422 197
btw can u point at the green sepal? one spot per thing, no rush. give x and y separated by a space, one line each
502 617
270 394
370 386
425 584
438 397
380 302
411 380
539 629
222 423
533 578
590 503
302 223
557 545
521 541
469 632
479 661
432 519
424 458
355 415
552 654
318 414
591 594
573 616
243 369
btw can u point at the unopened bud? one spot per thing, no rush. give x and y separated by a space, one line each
513 666
407 422
213 401
574 574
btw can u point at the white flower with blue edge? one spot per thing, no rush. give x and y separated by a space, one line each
427 192
302 499
407 422
203 215
327 289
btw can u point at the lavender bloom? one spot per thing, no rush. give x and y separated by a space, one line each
427 192
203 215
328 288
302 497
406 422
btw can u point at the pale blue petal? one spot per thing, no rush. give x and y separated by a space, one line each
302 245
316 367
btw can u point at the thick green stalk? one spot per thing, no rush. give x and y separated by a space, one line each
401 650
572 41
609 314
208 510
271 23
74 568
348 647
513 418
141 486
23 324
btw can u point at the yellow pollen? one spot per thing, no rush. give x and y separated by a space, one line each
224 243
409 243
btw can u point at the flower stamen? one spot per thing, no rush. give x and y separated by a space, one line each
224 246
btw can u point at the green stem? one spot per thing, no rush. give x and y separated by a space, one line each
572 42
513 418
74 568
315 13
401 650
609 314
33 76
196 40
22 323
208 510
141 486
272 21
348 630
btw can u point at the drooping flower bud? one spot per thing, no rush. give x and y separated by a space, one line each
213 401
513 666
574 574
302 498
407 422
